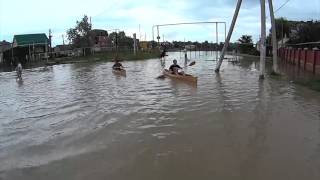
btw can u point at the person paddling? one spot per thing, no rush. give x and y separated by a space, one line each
117 65
163 54
174 68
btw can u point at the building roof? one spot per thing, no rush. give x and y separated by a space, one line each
65 47
4 45
98 32
30 39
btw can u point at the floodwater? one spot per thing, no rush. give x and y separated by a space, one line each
80 121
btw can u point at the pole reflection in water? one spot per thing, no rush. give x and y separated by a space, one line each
80 120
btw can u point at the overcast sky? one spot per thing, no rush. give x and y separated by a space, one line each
38 16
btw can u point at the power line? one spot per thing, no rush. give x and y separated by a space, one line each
279 8
282 6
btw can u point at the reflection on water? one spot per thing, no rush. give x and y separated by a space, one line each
81 120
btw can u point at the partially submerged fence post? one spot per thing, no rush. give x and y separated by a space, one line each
317 61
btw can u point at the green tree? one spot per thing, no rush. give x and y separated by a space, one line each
79 35
283 27
245 44
306 32
121 39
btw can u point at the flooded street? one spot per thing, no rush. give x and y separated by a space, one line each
81 121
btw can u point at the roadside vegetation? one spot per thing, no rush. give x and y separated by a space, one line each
312 84
106 57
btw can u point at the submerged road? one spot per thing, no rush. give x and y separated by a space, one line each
80 121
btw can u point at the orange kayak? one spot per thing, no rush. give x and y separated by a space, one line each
121 72
185 77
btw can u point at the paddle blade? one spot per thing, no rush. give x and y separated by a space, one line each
192 63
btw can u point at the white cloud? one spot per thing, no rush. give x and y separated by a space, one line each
33 16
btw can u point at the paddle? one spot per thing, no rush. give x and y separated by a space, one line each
163 76
192 63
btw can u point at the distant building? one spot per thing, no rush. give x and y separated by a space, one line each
30 46
144 45
283 42
63 50
100 39
189 47
4 46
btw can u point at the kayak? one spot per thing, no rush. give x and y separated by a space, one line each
185 77
121 72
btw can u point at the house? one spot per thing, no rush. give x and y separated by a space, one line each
144 45
282 42
30 46
63 50
100 39
189 47
4 46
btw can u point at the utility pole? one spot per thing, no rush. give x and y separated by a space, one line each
62 39
134 43
217 40
226 44
139 33
50 40
217 34
274 38
158 37
263 39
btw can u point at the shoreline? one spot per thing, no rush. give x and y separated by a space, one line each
97 57
104 57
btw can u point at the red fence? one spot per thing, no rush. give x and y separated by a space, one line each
305 59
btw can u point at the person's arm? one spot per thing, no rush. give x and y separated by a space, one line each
179 67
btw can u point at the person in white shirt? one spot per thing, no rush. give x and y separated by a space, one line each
19 70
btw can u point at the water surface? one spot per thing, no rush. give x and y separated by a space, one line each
80 121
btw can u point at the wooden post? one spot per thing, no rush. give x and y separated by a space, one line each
29 54
217 40
226 44
263 39
152 36
158 37
134 44
12 53
274 38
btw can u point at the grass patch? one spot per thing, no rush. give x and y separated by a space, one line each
106 57
312 84
275 74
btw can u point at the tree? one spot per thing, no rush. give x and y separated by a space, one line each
245 39
282 27
306 32
245 44
79 35
121 40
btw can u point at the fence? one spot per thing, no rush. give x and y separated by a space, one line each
305 59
